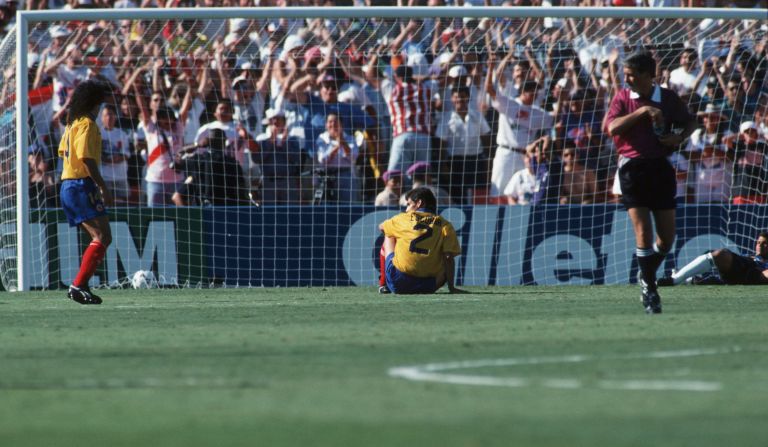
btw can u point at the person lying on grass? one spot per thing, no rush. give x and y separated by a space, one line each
731 268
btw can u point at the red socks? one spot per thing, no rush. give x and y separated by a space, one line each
92 257
382 268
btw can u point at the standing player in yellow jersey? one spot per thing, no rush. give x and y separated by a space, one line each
419 247
83 191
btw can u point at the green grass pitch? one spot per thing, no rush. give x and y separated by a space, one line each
553 366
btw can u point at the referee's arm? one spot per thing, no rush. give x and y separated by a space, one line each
622 124
674 140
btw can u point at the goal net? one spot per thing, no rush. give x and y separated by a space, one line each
262 147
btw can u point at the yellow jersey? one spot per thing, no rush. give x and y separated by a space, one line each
422 241
82 139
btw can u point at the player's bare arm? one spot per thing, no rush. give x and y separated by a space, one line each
675 139
450 268
95 174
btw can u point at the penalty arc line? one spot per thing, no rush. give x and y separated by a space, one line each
436 372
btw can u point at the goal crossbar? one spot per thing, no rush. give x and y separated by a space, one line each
417 12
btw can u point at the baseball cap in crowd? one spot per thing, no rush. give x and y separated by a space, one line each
244 64
420 167
746 125
312 54
59 31
390 174
457 71
326 77
237 25
238 80
292 42
711 110
712 81
273 113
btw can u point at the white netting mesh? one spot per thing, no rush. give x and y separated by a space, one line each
8 246
302 118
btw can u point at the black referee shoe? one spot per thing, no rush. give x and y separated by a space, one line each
651 302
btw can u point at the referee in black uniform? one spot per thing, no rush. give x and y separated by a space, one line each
647 123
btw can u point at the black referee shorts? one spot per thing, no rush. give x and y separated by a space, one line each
648 183
745 271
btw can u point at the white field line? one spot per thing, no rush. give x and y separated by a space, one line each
204 303
134 383
436 372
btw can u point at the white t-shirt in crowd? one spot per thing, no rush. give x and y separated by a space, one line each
114 141
462 135
521 187
519 124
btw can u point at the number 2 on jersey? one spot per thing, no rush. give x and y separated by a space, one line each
426 235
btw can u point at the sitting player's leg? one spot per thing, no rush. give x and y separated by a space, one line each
382 268
387 247
722 260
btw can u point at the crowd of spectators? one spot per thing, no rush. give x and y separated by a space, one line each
285 111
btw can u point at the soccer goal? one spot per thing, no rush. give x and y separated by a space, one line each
262 147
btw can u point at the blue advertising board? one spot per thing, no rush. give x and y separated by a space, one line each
338 246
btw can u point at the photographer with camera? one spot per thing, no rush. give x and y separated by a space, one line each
337 155
212 176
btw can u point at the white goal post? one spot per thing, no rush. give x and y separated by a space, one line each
27 19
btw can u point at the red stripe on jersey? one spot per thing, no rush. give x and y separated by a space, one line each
156 153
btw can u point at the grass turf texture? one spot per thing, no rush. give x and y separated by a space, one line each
293 367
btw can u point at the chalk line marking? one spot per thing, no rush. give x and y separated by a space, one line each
438 372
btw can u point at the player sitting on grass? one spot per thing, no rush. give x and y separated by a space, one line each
732 268
419 247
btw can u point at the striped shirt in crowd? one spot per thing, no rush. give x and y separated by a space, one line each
409 106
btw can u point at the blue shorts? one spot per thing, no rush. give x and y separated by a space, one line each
81 200
399 282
